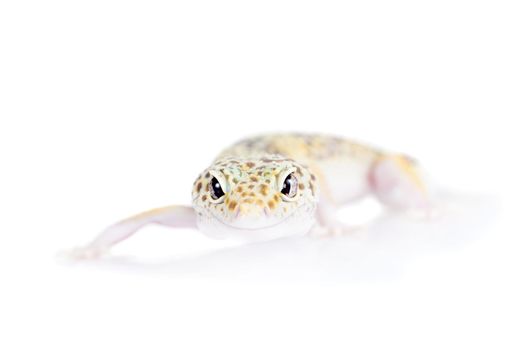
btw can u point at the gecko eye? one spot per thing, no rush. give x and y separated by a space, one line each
216 189
290 186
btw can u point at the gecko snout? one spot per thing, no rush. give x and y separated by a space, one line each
250 215
249 209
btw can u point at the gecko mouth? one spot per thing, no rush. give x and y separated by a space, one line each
267 227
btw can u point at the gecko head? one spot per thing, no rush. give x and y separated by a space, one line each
255 199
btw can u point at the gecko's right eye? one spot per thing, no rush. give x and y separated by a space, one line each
216 191
289 188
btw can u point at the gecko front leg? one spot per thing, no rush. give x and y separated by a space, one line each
172 216
328 225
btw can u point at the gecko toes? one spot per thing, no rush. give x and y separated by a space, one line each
82 253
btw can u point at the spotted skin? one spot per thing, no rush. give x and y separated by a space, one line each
253 197
322 173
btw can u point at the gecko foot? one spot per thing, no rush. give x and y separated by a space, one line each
430 212
83 253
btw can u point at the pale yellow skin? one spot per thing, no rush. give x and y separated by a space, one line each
329 172
253 206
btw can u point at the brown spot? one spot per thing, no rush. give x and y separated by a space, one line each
232 205
299 172
259 173
251 186
301 186
252 194
264 189
312 176
235 181
244 194
203 198
253 178
260 203
312 187
250 164
267 181
249 201
199 186
276 198
239 189
271 204
207 175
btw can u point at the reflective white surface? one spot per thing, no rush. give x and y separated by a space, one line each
111 107
379 250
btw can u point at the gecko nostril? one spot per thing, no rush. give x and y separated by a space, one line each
240 210
237 212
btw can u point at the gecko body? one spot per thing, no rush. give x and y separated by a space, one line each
278 185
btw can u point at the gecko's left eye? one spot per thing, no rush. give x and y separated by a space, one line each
289 186
216 191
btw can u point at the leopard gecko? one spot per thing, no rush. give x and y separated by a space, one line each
279 185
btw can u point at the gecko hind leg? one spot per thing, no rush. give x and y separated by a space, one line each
398 182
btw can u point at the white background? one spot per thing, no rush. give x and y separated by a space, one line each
112 107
